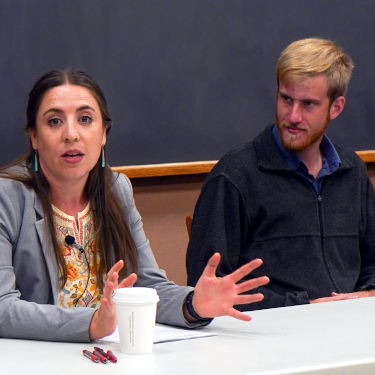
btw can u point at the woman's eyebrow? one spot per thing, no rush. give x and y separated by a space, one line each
53 110
61 111
85 107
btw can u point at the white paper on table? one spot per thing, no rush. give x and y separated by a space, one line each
164 333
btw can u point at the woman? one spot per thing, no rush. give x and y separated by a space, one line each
69 230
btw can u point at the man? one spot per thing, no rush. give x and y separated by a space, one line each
290 197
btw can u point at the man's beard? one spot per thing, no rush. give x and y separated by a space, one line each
293 142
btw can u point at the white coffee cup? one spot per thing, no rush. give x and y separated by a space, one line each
136 313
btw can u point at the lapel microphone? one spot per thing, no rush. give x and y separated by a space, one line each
71 241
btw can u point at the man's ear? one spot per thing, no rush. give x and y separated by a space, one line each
336 107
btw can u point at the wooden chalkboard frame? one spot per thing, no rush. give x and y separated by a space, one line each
174 169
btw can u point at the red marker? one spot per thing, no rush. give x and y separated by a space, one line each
88 354
101 357
111 356
101 351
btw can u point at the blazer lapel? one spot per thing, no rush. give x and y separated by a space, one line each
41 227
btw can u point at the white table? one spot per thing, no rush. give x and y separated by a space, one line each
329 338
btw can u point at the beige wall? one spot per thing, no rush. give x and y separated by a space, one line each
164 203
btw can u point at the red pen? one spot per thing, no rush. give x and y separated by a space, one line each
111 356
101 357
88 354
101 351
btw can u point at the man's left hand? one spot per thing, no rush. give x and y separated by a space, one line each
362 294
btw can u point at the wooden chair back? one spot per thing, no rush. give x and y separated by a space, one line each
189 220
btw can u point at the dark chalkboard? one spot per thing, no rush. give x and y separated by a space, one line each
186 80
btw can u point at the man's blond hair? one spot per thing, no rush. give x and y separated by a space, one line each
313 56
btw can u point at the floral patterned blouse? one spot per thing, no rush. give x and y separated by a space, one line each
78 269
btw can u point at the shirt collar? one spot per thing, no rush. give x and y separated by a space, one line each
329 152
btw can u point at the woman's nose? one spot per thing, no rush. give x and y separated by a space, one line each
71 132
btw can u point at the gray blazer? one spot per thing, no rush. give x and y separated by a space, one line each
29 274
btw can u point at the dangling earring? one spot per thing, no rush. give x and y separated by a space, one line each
36 161
103 157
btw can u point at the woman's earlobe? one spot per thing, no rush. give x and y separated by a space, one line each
33 139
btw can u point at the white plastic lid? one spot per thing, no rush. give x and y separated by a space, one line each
135 295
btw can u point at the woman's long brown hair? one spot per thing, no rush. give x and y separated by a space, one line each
113 240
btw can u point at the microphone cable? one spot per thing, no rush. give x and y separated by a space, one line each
71 241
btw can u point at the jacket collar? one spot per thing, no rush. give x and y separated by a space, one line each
41 227
270 157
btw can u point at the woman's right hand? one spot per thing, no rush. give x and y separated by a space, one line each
104 321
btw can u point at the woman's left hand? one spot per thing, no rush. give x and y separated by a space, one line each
104 321
215 296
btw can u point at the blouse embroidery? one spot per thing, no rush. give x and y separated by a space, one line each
78 270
